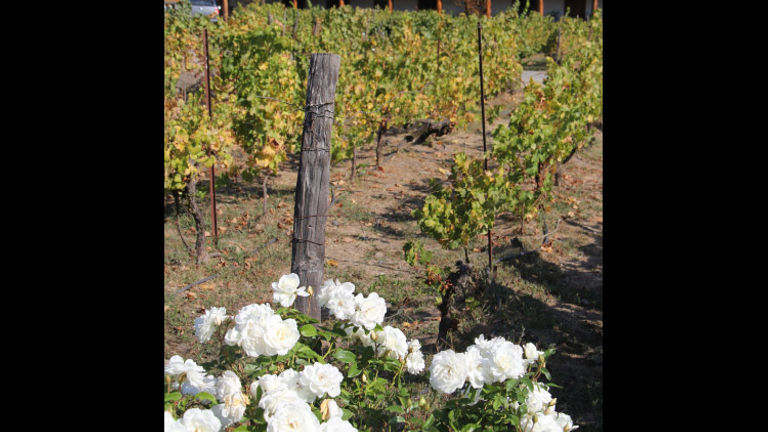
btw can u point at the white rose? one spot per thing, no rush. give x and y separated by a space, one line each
336 424
232 337
172 425
227 384
565 422
330 409
197 382
286 290
391 340
542 423
503 362
272 401
475 367
267 383
205 325
280 335
252 336
293 417
195 379
538 399
414 362
321 379
448 371
487 347
333 288
290 379
531 353
360 336
249 329
369 311
253 312
198 420
338 298
232 410
342 306
176 366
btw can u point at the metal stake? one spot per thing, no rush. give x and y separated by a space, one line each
482 110
210 115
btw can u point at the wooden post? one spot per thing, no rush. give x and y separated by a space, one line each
311 208
488 8
341 3
439 6
594 7
390 4
225 6
295 4
541 7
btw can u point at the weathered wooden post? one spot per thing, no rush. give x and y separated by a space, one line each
439 6
488 8
541 7
311 208
225 6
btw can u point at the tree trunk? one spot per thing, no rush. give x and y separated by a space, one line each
197 215
264 192
178 224
295 23
429 127
312 184
382 128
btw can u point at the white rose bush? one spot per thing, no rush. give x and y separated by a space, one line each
278 370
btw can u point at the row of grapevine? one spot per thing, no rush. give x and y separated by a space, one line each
390 76
550 124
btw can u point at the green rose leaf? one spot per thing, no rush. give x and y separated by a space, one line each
344 356
308 330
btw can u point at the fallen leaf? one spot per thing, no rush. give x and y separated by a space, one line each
207 234
207 286
347 239
166 308
190 295
332 263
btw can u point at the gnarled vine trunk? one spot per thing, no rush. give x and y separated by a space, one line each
197 214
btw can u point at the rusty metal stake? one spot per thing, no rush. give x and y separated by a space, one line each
482 110
210 115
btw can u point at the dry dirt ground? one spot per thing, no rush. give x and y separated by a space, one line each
553 297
